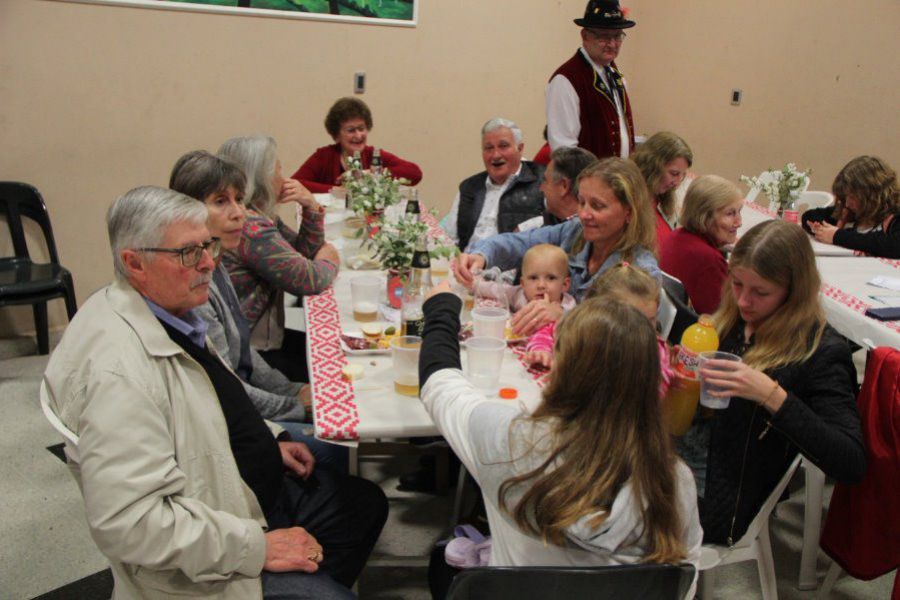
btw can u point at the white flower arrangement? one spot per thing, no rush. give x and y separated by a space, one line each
782 187
370 193
394 244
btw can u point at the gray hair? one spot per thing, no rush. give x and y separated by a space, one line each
497 123
568 162
199 174
140 218
256 156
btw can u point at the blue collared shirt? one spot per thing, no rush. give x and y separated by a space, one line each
507 249
191 325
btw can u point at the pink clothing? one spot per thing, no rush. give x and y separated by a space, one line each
665 368
543 338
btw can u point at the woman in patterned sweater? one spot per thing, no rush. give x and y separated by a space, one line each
272 258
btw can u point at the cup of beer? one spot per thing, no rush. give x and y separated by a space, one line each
364 292
405 354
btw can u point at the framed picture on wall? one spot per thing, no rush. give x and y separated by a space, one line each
372 12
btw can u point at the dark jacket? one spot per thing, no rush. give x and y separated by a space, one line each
883 240
521 201
819 418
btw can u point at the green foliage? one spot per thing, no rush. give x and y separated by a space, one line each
370 194
785 185
395 243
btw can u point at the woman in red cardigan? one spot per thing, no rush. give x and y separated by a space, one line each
348 122
710 219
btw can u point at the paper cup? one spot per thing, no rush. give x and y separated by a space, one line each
715 403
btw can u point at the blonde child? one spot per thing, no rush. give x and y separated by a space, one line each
545 276
631 285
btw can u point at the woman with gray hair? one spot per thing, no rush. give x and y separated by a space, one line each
272 258
219 184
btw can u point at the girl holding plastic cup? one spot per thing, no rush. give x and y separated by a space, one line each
793 391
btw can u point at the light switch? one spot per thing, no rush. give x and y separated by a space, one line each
359 82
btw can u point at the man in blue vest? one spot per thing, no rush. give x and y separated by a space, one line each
587 104
505 194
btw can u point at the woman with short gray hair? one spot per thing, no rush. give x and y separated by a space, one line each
272 258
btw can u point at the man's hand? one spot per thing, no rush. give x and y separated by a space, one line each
328 252
466 266
297 457
292 549
535 315
305 397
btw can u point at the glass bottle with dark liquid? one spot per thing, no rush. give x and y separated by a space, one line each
413 210
412 318
376 164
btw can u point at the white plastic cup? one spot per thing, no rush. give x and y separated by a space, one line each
489 322
365 291
484 357
405 355
715 403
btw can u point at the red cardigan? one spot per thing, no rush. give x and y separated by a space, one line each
323 169
699 265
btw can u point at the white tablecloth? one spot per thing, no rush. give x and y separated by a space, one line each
370 408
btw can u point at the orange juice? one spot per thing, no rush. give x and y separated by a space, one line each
680 403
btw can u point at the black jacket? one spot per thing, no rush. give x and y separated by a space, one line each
819 418
521 201
883 240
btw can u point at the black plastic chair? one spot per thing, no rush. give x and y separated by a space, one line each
21 280
684 314
647 582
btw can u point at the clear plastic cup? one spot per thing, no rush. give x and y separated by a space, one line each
364 293
490 322
405 354
484 357
713 402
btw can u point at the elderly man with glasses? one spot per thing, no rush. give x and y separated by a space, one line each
587 105
187 491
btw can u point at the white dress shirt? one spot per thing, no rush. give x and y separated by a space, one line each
486 226
564 110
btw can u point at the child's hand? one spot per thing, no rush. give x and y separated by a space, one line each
440 288
539 358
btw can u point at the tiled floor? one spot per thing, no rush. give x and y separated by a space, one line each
46 545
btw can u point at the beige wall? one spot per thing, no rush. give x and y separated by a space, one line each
821 81
95 99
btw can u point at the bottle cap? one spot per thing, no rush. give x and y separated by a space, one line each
508 393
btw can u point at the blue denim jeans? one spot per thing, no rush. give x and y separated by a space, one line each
303 586
326 454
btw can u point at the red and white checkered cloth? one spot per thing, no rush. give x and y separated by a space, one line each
336 414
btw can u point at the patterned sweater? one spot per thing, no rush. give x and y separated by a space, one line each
272 259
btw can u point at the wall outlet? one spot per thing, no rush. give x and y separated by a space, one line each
736 96
359 82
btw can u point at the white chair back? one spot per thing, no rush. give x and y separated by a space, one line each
665 316
814 199
762 517
71 440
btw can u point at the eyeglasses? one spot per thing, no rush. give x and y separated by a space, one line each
608 37
191 255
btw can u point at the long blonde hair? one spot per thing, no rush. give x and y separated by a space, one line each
628 186
602 408
652 157
778 252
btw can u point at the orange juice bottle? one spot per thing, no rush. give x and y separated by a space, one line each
684 393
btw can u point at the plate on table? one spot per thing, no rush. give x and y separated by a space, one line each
353 343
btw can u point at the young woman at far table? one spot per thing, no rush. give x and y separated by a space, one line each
866 212
590 478
794 391
348 123
664 160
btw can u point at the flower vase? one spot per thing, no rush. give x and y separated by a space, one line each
788 213
373 222
395 281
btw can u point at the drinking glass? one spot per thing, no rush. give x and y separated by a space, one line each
706 399
484 356
364 292
405 354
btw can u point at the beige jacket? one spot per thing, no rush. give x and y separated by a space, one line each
162 493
